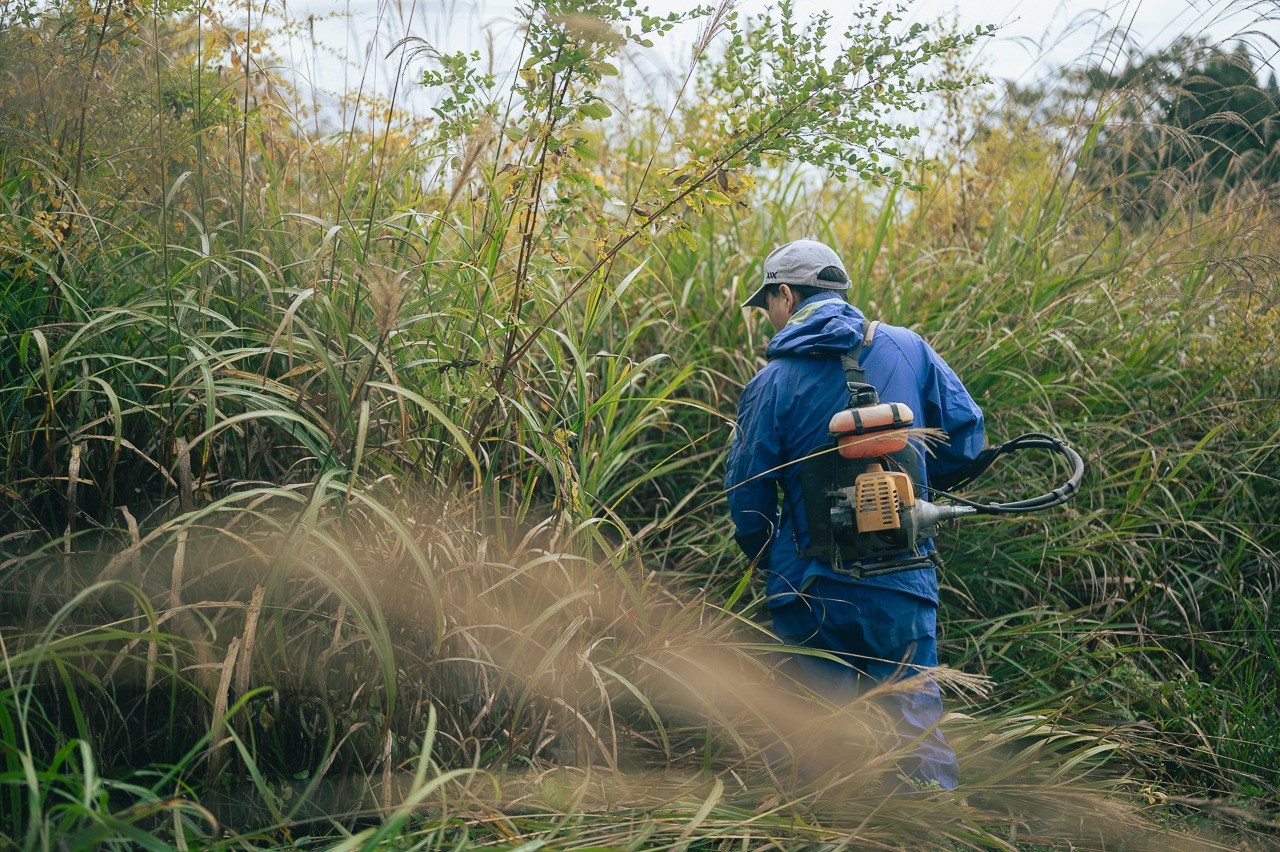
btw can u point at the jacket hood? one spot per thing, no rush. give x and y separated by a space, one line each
823 325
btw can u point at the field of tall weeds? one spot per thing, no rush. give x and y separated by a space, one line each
362 484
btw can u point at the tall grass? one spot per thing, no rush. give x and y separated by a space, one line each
352 495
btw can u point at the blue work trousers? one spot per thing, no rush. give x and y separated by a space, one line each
880 635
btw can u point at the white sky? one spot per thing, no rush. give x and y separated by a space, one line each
1034 36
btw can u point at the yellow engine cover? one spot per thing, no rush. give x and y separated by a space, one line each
879 494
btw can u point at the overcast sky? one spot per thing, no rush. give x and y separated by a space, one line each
1034 36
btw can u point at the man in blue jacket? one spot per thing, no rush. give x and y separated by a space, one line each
884 626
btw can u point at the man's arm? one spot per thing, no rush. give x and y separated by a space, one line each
752 475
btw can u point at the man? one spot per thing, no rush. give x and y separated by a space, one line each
884 626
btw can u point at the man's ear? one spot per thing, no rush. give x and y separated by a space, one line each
787 293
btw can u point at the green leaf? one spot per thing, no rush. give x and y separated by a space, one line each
595 109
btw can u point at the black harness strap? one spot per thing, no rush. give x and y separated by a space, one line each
852 360
860 393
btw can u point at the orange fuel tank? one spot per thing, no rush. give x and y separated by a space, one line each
871 430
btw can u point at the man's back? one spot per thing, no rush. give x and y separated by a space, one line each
784 413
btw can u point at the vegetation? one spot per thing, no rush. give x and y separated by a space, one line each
1185 123
362 487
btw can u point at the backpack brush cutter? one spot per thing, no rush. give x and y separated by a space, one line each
865 515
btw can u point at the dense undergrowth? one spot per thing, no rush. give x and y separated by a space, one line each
366 484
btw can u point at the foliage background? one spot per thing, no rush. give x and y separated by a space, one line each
365 482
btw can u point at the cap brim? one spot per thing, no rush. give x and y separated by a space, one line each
757 299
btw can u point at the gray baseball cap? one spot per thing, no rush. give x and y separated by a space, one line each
808 263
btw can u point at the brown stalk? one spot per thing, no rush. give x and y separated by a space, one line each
527 233
73 479
75 182
217 757
251 616
186 483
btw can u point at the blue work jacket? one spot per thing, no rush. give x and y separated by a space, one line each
783 416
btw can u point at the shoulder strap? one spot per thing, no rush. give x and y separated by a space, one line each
868 332
856 377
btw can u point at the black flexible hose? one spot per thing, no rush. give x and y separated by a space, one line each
1029 441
